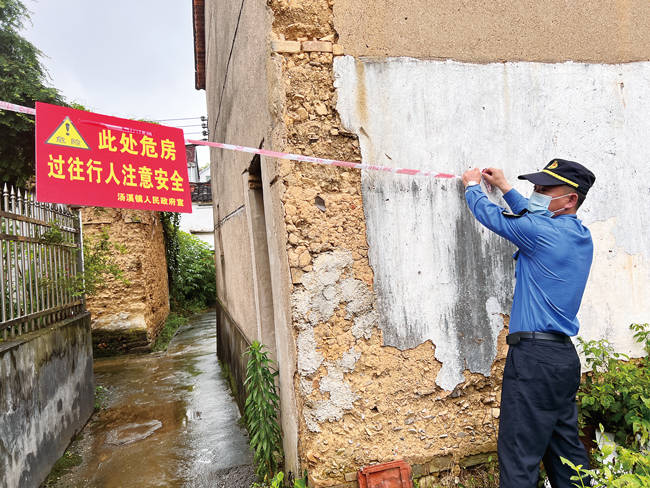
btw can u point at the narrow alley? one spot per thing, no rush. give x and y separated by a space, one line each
169 420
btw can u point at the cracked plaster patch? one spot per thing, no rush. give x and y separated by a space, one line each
341 397
309 359
323 291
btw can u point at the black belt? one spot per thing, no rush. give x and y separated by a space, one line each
544 336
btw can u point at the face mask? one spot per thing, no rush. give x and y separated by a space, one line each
538 203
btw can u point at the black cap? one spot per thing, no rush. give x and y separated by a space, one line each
563 172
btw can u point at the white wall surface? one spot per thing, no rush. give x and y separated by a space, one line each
199 223
438 274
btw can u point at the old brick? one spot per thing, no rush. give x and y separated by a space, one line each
337 50
317 46
285 46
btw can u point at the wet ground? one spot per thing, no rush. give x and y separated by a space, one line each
169 421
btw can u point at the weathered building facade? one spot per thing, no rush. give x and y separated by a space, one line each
384 302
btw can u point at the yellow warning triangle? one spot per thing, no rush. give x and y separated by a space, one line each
67 134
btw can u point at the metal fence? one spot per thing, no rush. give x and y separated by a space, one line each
40 263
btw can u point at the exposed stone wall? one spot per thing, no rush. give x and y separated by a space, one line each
128 316
360 402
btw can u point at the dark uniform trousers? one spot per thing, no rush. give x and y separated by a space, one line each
538 420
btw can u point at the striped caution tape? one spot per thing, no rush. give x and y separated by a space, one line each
275 154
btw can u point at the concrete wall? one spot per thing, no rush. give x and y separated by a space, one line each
128 316
600 31
46 397
244 96
446 116
236 87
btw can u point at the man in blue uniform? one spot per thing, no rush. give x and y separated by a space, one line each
542 373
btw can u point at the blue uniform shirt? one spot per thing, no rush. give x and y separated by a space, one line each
553 262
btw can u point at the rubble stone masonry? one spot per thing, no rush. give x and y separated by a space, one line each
128 316
359 401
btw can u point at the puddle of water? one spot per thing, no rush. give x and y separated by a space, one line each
170 419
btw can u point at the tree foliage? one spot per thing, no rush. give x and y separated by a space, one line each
23 82
195 277
190 267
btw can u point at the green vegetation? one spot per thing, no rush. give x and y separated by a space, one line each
173 322
63 466
101 397
23 82
616 393
626 469
170 222
99 263
261 412
195 276
278 482
191 277
616 396
190 268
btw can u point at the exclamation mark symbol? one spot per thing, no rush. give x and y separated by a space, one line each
67 129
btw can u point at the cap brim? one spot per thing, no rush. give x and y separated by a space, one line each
542 179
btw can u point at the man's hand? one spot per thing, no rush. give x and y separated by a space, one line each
495 177
471 175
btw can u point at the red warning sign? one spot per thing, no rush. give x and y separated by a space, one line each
84 158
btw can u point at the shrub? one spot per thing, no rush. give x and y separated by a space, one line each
616 393
193 277
626 469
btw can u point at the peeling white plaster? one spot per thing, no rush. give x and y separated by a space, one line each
341 398
306 386
324 289
349 359
607 311
309 359
321 293
438 274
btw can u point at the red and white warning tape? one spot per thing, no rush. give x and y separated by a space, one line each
276 154
17 108
328 162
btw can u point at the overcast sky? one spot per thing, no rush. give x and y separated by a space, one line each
131 59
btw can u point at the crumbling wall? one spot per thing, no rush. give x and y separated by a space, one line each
359 400
128 316
396 361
